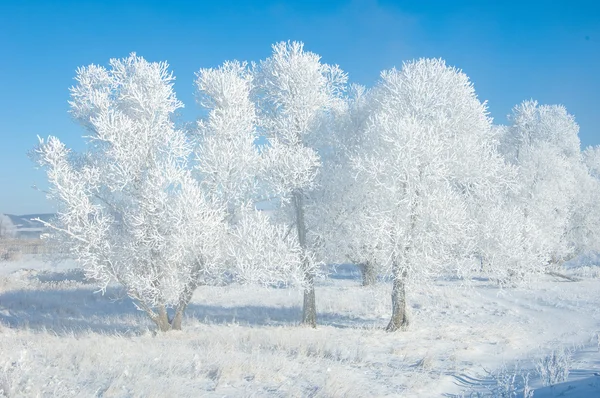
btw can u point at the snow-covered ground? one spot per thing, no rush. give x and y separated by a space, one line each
59 337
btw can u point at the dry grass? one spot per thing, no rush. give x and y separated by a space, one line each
62 339
10 254
13 249
206 360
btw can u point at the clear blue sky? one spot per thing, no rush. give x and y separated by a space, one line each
512 50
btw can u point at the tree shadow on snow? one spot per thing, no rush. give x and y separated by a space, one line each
82 309
71 275
344 272
65 311
253 315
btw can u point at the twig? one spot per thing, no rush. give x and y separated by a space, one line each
47 224
559 275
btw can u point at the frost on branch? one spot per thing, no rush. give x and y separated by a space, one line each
7 228
298 95
584 223
129 207
227 160
591 159
343 204
290 168
297 88
543 142
266 253
234 172
430 157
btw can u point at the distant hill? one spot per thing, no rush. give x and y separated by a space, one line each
27 227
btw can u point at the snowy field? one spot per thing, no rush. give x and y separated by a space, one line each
58 337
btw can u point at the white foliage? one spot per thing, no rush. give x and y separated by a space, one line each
344 199
554 368
297 88
129 206
584 225
535 125
297 93
544 144
299 96
235 173
505 245
431 149
410 176
290 168
591 158
264 252
226 157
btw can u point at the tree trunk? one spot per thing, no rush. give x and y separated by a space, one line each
184 299
162 319
164 323
399 315
178 317
309 308
369 276
176 322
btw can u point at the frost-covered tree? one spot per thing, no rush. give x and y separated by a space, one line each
591 159
504 250
297 95
429 152
232 170
344 199
227 159
584 225
129 207
153 210
543 142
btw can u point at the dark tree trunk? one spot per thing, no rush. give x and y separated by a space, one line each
177 319
309 308
399 315
161 317
369 276
164 323
184 300
399 271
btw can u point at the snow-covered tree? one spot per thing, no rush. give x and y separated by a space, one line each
591 159
232 170
543 142
227 160
504 250
430 151
343 199
129 207
584 225
297 95
153 210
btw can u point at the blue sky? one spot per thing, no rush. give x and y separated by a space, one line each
512 50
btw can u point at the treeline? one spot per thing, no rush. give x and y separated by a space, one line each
409 179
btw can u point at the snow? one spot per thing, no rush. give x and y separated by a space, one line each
60 337
584 387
